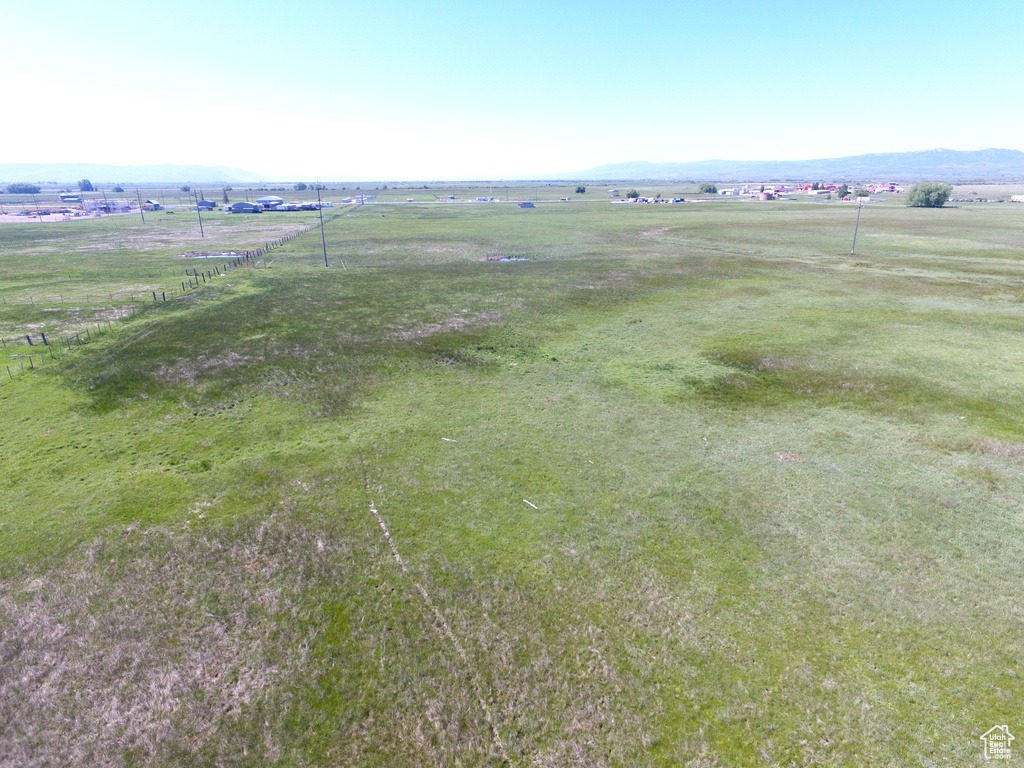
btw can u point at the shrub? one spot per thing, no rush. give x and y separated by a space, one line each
707 188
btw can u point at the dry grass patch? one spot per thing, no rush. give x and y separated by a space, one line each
454 323
161 642
189 371
1004 450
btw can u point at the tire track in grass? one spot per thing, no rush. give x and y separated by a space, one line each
446 631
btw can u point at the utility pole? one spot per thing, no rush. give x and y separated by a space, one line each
320 210
139 198
854 249
201 233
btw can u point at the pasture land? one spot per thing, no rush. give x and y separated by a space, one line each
691 486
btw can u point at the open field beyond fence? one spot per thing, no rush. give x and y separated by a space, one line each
684 484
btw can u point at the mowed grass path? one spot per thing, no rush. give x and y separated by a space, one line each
775 499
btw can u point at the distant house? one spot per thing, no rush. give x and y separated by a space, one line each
70 197
151 205
527 205
244 207
207 205
270 201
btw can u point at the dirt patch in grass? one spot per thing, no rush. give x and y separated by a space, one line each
209 254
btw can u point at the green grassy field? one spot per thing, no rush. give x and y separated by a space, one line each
691 486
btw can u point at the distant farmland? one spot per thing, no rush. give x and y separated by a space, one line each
682 484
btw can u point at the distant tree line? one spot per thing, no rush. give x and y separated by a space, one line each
23 188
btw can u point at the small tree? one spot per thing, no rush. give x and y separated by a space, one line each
632 194
843 191
707 188
85 186
186 188
762 188
861 192
300 186
224 191
928 194
117 188
581 190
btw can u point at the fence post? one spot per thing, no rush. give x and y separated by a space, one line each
45 342
29 339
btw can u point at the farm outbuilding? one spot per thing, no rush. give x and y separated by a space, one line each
270 201
106 206
244 207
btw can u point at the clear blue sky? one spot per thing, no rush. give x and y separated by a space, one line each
456 90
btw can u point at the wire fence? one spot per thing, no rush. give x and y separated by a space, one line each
26 352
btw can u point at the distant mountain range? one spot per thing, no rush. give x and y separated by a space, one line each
933 164
70 173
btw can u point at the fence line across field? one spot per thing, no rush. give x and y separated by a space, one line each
29 341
